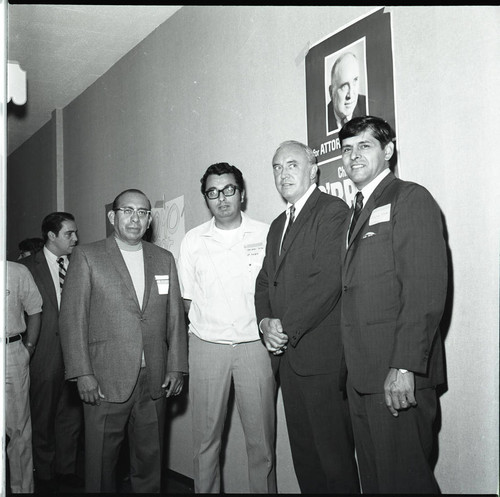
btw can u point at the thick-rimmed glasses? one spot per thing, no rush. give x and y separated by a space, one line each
128 211
228 191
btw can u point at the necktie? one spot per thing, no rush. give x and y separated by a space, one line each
290 222
357 212
62 271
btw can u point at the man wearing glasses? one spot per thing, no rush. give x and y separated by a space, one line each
124 340
218 264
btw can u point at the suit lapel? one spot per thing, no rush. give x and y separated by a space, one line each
45 275
297 225
275 240
149 275
120 266
367 211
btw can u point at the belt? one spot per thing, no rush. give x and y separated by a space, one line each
14 338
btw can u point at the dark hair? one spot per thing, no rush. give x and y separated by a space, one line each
379 128
116 201
31 245
223 168
53 222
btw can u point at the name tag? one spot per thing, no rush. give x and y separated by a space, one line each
162 281
380 215
255 253
254 249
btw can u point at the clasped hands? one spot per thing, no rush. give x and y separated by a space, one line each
275 338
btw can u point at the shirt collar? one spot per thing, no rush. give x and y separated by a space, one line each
126 246
302 200
245 226
370 187
51 257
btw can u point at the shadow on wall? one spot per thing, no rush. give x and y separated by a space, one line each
444 327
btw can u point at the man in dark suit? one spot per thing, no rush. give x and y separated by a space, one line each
298 311
394 278
56 410
346 101
125 341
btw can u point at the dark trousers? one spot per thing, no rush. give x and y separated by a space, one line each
57 421
105 428
320 433
393 452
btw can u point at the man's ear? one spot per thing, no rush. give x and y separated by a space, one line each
51 236
389 151
111 217
314 172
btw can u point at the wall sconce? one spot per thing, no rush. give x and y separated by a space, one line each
16 83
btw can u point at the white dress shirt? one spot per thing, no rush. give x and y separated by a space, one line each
54 271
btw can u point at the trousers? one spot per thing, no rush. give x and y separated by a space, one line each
213 368
18 418
106 425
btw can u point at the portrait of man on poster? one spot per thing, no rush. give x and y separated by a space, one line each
345 85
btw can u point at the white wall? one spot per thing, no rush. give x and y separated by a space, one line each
447 77
228 84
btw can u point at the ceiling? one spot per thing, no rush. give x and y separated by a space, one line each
64 49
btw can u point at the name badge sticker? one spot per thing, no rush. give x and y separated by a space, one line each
162 281
255 254
254 249
380 215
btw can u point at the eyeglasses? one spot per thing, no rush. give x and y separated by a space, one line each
128 211
228 191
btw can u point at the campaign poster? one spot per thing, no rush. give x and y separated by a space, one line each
348 74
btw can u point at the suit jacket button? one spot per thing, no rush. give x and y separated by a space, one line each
345 288
275 283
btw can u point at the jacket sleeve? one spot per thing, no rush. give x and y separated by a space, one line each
74 316
419 251
177 359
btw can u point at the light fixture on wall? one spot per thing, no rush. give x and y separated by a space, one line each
16 83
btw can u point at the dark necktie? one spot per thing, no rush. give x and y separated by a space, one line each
62 271
357 212
290 222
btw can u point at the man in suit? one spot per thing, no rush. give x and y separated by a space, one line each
298 311
346 101
124 340
394 278
56 410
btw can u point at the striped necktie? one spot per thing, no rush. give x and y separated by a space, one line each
62 271
357 211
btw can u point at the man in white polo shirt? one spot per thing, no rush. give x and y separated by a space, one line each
218 264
